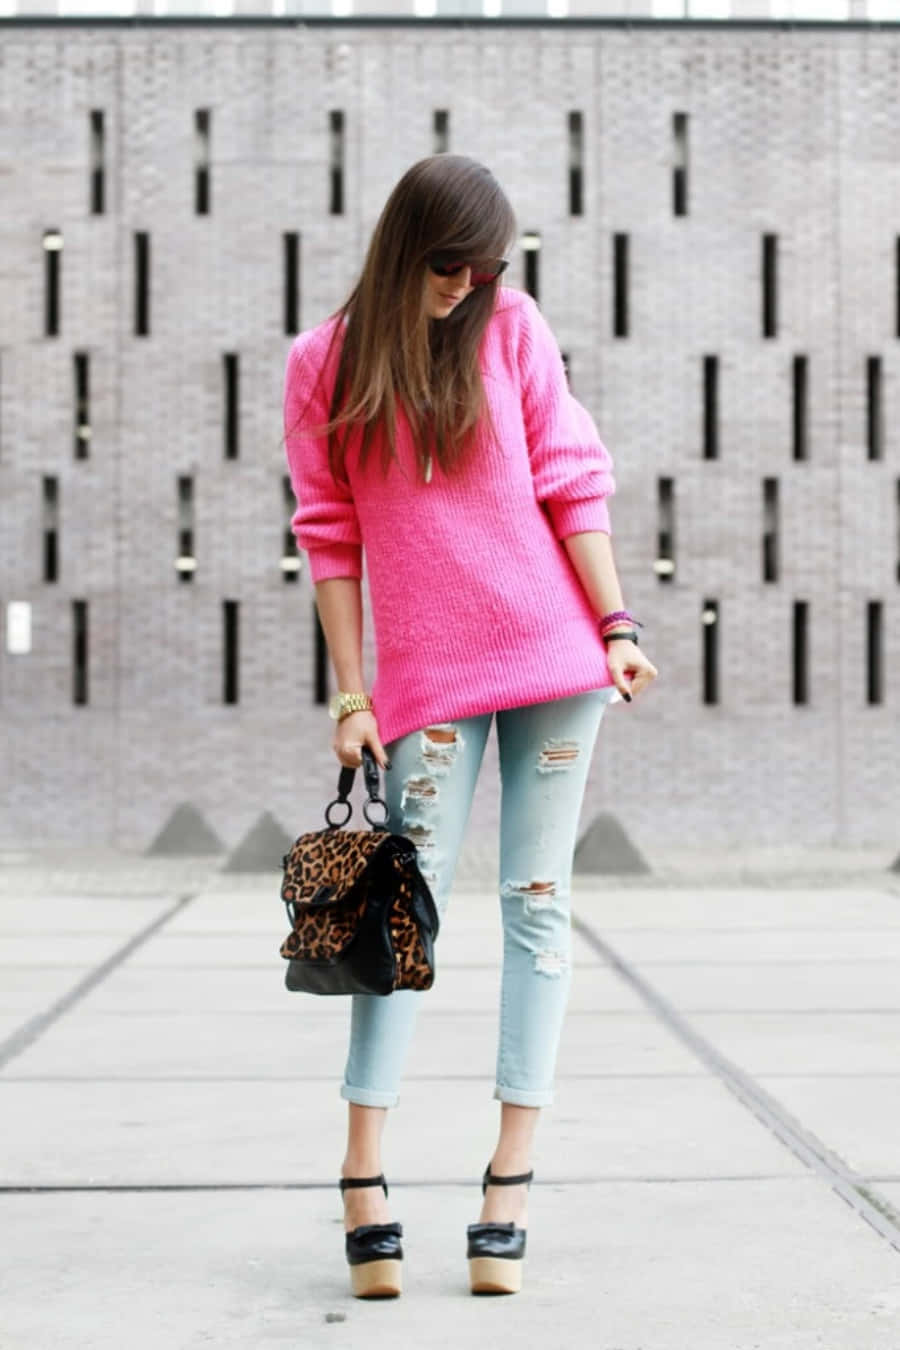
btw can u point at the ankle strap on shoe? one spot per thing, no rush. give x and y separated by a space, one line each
489 1179
348 1183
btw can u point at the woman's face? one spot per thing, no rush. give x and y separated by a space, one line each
444 294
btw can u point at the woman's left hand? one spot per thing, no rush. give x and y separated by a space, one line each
630 668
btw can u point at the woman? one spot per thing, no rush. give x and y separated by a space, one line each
493 591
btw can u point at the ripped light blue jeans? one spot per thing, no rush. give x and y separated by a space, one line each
545 753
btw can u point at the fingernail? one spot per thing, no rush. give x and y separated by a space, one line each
627 698
387 763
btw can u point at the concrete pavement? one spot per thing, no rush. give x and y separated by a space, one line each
721 1169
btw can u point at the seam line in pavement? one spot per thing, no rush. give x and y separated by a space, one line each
25 1035
849 1185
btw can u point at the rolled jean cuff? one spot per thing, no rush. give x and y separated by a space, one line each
368 1096
519 1097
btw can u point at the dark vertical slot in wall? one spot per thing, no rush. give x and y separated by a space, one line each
82 374
291 283
98 162
874 653
185 527
770 284
800 644
441 131
874 410
52 278
710 624
202 184
290 561
320 657
230 652
801 407
232 404
680 167
532 250
567 368
770 530
665 549
51 526
79 651
336 134
576 164
141 283
710 407
620 285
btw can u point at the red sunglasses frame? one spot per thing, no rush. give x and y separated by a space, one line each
446 265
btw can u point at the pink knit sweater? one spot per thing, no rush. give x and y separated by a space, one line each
475 604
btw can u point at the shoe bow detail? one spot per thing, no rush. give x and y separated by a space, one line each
374 1242
496 1239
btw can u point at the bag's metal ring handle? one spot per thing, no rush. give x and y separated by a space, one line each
345 783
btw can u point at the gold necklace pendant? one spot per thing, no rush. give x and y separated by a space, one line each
428 469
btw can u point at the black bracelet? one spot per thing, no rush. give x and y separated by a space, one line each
631 637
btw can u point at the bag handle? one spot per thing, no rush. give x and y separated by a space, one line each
373 785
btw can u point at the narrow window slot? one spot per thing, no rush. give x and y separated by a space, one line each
230 621
98 162
770 284
665 549
441 130
800 645
141 283
710 407
291 283
232 404
50 486
79 652
336 125
680 167
531 248
710 624
620 285
290 555
82 374
770 530
186 562
874 651
53 243
874 409
801 408
576 164
320 657
202 184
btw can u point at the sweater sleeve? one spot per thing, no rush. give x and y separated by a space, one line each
571 467
325 522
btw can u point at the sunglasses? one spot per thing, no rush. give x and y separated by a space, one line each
484 271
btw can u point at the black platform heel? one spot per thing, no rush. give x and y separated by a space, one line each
374 1253
496 1250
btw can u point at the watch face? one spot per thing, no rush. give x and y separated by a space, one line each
334 705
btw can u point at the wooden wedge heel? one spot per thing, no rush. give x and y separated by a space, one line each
496 1251
374 1251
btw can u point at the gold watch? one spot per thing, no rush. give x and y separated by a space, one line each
340 704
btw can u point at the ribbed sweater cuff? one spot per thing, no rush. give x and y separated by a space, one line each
335 560
591 513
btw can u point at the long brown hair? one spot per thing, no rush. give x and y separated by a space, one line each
392 349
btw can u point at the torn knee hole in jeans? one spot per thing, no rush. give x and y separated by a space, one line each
440 746
558 755
538 895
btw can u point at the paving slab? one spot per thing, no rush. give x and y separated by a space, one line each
187 1131
614 1267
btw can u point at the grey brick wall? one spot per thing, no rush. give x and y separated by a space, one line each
791 131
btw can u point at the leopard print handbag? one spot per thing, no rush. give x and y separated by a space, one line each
363 918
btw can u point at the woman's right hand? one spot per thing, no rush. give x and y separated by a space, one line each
354 731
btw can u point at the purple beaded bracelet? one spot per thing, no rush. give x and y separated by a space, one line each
616 617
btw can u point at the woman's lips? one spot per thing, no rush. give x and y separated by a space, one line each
452 297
